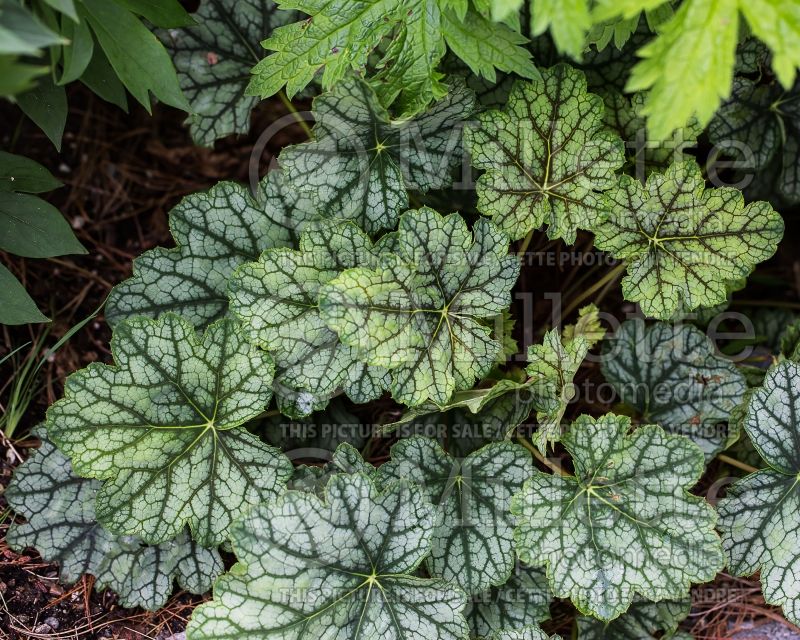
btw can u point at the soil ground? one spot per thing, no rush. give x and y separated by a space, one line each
122 174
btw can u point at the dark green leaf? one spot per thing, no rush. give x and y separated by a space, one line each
16 306
33 228
46 105
21 174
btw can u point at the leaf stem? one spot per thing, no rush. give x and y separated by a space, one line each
609 278
736 463
553 466
523 247
293 110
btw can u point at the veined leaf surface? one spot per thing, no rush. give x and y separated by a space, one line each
625 524
162 428
760 516
420 313
61 525
473 545
343 567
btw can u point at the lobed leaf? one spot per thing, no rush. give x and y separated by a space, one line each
522 601
276 298
215 231
472 545
61 525
672 375
547 157
339 567
361 163
684 244
759 517
214 57
163 429
625 524
420 313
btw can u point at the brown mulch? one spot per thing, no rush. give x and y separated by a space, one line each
122 174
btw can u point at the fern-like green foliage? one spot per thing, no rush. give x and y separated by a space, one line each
406 37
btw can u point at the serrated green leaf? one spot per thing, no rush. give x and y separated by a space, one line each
759 125
487 47
643 621
673 376
695 48
521 601
340 36
472 546
61 525
276 298
216 231
419 314
684 243
569 22
343 567
162 429
760 516
214 59
625 524
547 157
361 163
777 24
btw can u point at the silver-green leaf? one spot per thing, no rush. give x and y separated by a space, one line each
625 524
215 231
473 544
214 58
163 428
361 163
684 244
61 525
760 516
672 375
547 157
276 298
421 314
645 620
339 568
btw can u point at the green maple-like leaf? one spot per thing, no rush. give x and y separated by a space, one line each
61 525
276 298
361 163
215 232
343 567
625 524
521 601
760 516
214 58
473 545
163 429
547 157
643 621
760 125
421 313
684 244
673 376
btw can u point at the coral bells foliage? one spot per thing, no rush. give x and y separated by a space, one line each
376 262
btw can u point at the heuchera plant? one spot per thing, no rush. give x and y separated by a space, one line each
346 272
